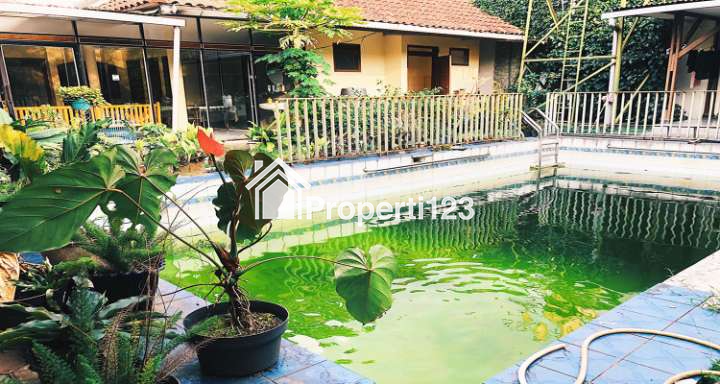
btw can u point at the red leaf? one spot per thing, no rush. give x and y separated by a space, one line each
209 145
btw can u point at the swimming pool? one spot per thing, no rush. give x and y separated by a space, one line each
538 260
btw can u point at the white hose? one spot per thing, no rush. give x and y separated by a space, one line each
522 371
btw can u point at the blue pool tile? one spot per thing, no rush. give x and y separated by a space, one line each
620 318
649 305
612 345
678 294
567 361
190 374
508 376
692 331
670 358
578 336
535 375
702 317
292 359
627 372
325 372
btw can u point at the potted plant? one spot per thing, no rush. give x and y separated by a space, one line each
46 214
81 97
93 341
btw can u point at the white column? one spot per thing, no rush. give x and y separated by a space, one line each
179 119
614 73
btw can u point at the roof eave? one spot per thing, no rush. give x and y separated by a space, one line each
659 10
377 25
16 9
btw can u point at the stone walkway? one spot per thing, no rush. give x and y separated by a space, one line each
683 304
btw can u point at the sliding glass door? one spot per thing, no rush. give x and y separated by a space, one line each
227 78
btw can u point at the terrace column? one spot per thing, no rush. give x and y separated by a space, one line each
179 112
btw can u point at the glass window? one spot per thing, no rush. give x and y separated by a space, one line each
267 39
228 89
125 31
27 25
460 56
37 72
346 57
119 72
214 32
159 63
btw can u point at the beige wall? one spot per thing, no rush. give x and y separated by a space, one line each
384 59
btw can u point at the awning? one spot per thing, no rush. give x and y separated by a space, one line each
28 10
709 9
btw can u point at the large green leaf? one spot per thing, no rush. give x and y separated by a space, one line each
365 281
144 182
45 214
235 200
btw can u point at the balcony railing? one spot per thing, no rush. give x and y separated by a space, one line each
328 127
133 114
688 115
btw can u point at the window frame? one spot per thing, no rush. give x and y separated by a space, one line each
359 58
465 63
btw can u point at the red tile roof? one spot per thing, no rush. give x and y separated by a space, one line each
446 14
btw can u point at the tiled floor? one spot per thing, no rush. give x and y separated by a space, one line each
630 359
296 366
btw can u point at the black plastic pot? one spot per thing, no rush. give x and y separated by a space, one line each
118 286
241 355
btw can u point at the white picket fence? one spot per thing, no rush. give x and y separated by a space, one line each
328 127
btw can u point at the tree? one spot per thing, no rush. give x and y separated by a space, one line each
644 53
300 22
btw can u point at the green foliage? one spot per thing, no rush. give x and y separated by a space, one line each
125 249
302 67
182 143
300 21
644 54
115 349
48 278
92 95
297 19
365 281
78 143
47 213
265 136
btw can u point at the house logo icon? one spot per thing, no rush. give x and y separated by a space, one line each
276 189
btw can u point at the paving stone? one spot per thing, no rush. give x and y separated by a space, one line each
326 373
627 372
567 361
692 331
678 294
191 374
293 358
627 319
650 305
671 358
702 317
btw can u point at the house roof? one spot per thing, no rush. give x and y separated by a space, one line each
665 9
459 15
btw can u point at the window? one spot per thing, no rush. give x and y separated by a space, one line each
346 57
460 56
36 72
119 72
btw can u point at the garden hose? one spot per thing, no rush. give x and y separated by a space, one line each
522 371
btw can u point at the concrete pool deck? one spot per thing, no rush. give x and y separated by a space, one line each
297 365
678 305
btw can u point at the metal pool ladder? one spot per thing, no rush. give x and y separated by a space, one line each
548 141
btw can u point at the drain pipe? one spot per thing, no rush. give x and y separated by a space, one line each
522 371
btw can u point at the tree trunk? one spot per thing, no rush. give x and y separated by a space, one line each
9 273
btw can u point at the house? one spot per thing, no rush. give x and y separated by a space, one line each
127 48
693 51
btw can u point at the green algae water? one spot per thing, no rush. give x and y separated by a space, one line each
473 297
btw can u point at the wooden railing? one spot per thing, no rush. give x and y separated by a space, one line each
134 114
688 115
319 128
